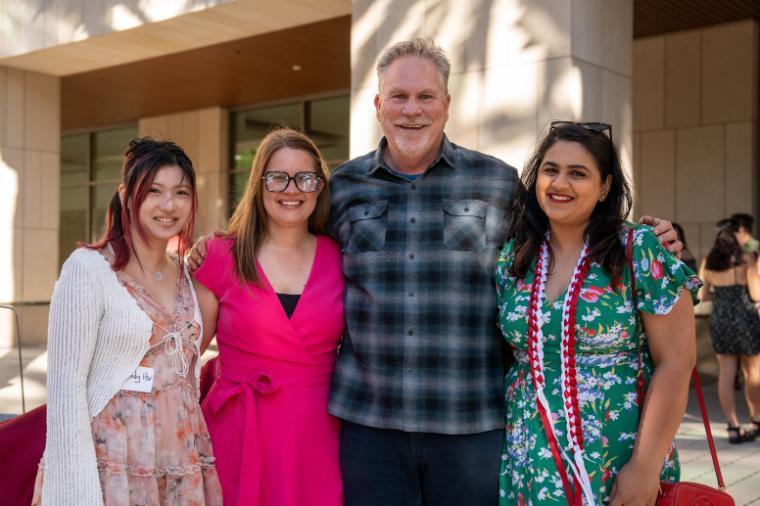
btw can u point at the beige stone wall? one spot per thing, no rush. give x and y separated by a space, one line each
517 65
204 135
29 196
695 126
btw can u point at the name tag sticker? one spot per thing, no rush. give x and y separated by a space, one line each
140 381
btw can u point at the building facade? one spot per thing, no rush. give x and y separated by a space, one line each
79 78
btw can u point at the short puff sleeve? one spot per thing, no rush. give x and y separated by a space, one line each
660 276
218 266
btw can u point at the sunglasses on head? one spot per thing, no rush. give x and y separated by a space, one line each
592 126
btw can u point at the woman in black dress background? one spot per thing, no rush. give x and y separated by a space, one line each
730 278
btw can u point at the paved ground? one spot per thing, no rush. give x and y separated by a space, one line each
740 463
35 374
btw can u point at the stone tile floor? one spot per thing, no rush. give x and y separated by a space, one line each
740 463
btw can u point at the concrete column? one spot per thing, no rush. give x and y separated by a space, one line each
30 135
516 66
204 135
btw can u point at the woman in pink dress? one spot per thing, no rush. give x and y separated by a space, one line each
274 286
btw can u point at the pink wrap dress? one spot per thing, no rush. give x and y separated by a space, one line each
274 442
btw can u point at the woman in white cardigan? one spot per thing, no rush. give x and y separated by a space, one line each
123 420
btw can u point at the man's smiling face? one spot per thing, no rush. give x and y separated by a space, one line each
412 108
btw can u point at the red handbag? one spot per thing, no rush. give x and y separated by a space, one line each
682 493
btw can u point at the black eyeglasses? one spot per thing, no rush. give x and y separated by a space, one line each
592 126
278 181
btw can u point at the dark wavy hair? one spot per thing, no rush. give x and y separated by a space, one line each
744 220
530 223
143 158
726 251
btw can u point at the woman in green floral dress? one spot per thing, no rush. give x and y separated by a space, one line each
566 307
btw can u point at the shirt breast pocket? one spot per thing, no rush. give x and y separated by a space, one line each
464 224
369 223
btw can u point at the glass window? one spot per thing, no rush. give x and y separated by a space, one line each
101 197
73 219
108 148
90 166
327 124
238 182
75 159
326 121
251 126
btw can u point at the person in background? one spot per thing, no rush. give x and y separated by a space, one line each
272 290
687 256
124 423
749 244
746 224
574 427
730 278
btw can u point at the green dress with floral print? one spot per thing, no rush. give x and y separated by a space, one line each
606 367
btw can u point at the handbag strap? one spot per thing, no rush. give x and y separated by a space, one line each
640 386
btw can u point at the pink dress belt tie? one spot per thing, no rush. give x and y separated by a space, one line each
244 384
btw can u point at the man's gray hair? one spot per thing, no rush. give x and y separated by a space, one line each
420 47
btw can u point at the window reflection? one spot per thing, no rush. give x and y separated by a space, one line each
251 126
327 125
73 219
108 148
75 159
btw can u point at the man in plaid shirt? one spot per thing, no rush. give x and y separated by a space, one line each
419 379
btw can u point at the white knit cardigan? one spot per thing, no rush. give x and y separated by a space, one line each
97 336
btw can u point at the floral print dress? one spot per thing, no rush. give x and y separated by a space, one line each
154 448
606 368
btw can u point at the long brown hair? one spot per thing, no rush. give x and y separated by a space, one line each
143 158
248 225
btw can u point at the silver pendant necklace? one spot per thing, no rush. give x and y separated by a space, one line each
157 275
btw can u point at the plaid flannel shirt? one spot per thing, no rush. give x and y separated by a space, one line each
421 351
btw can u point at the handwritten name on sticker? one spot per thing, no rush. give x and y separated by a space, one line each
139 381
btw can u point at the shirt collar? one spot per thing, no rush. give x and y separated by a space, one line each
446 155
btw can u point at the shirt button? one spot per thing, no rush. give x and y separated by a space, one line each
467 209
366 213
411 294
409 370
413 220
414 186
411 332
411 256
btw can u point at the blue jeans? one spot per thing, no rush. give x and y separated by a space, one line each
383 467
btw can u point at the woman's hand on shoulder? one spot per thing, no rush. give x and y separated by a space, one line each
198 251
637 484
